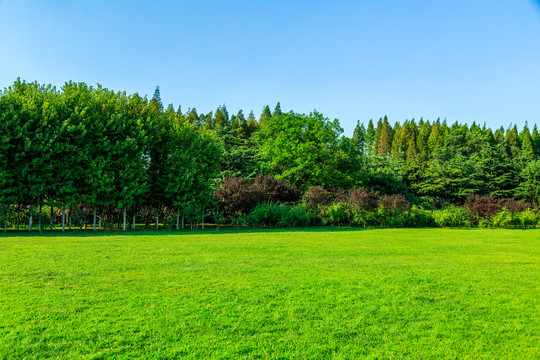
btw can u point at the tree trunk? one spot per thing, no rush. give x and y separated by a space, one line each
202 223
18 221
99 223
177 219
30 222
95 214
63 219
124 218
51 220
157 221
134 219
40 208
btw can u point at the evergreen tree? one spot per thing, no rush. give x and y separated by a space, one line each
156 100
384 143
266 114
221 117
370 139
193 118
535 137
359 137
277 110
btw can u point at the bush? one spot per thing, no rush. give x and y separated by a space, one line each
268 189
364 199
394 203
507 219
452 217
316 196
483 207
237 195
234 195
337 214
515 206
278 215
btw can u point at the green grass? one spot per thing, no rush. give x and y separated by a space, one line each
313 294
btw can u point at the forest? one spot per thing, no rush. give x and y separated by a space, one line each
83 156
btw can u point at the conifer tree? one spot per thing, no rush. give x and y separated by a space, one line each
156 100
359 137
277 110
192 117
221 117
384 146
370 139
535 137
266 114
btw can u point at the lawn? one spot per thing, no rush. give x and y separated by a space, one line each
298 294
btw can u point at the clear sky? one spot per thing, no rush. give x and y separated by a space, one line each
352 60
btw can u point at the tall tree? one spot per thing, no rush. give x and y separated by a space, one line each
265 116
156 100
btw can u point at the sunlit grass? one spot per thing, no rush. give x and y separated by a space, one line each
316 293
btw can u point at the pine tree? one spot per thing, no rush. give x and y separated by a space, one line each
277 110
209 121
535 137
527 147
396 154
434 141
370 139
412 151
359 137
221 117
193 118
511 141
156 100
422 140
266 114
384 145
252 123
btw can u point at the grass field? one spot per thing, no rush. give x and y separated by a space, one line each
313 294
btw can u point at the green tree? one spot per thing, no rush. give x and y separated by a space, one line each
307 151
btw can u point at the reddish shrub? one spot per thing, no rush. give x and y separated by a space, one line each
516 206
235 195
364 199
316 196
238 195
269 189
483 206
395 203
340 195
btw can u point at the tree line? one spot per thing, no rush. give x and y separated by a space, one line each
87 154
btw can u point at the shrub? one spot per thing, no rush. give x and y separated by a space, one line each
364 199
452 217
340 195
364 218
234 195
266 188
317 196
394 203
237 195
418 217
337 214
482 207
278 215
515 206
508 219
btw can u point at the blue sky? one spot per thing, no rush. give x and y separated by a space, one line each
352 60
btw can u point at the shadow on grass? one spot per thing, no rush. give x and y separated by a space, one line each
208 230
